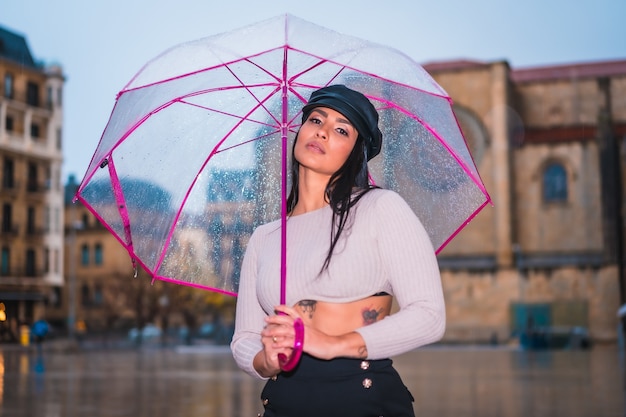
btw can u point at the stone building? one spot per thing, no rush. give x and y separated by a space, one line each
31 193
549 143
107 295
99 286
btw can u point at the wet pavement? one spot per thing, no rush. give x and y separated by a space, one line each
205 382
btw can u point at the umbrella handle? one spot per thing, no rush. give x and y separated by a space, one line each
288 363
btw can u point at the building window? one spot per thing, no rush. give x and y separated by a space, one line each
32 177
56 300
84 255
8 124
554 183
32 94
8 85
8 174
473 131
48 184
30 220
30 263
84 295
98 297
5 262
34 130
55 261
98 254
7 218
56 225
49 94
46 220
59 138
46 261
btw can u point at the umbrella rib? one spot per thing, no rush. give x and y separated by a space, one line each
465 223
427 126
194 285
182 205
261 103
121 206
188 74
346 66
245 142
225 113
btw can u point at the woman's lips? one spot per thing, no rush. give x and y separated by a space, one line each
315 147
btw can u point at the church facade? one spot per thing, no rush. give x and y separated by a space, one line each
550 145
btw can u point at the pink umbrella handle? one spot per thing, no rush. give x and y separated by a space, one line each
288 363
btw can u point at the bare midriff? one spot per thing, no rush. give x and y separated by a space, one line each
336 319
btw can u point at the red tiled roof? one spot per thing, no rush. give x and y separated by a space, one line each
542 73
570 71
460 64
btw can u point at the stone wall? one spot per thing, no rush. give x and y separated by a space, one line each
478 304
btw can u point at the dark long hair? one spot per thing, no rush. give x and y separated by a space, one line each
344 189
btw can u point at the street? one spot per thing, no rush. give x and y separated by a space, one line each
203 381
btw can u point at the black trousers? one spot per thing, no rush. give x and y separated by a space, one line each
339 387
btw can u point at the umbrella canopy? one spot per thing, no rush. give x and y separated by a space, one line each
195 152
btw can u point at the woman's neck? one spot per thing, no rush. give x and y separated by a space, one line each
311 193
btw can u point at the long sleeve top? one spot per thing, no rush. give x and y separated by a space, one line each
383 248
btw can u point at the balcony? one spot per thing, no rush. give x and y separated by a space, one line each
35 234
21 276
9 231
9 188
36 190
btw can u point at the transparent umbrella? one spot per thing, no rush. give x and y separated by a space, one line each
195 152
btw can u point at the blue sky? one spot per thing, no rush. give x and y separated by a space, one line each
102 44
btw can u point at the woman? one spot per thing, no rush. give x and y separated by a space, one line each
350 248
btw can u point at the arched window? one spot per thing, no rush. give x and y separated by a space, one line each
85 295
473 131
98 298
554 183
84 254
97 254
5 262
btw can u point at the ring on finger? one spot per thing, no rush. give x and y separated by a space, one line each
274 339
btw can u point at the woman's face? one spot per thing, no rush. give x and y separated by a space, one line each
325 141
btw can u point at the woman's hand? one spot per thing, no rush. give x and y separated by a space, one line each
277 337
280 334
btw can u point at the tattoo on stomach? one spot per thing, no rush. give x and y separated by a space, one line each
370 315
307 307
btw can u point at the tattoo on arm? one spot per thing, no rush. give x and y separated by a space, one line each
370 316
307 307
363 351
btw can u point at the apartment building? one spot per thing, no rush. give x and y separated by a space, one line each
31 191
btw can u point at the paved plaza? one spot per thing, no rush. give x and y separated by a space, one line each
204 382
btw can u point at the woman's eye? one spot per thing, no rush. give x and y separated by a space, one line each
342 131
315 120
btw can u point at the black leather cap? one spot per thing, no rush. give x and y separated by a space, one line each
355 107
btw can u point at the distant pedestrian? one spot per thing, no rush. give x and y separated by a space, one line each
39 331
